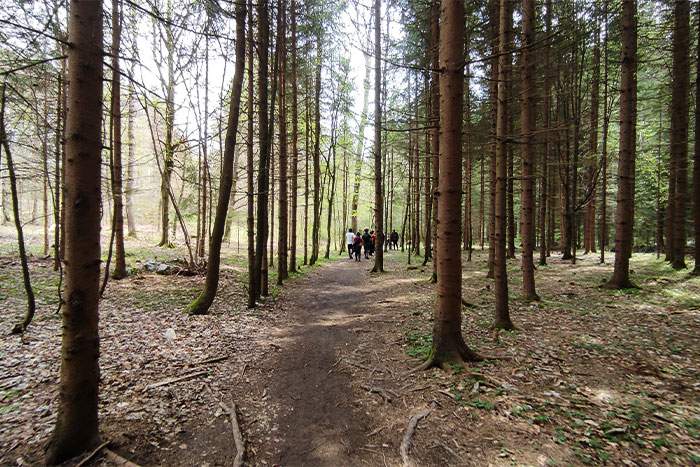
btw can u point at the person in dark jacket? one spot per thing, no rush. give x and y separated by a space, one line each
357 245
367 242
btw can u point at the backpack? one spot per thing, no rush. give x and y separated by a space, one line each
357 241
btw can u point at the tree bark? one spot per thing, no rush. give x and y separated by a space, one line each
315 232
26 279
679 126
547 111
449 347
295 147
378 169
624 219
696 160
282 265
250 164
117 187
502 315
528 149
76 428
202 304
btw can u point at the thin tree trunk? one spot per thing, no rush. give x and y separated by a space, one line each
250 164
502 315
76 428
360 146
696 158
528 149
547 111
5 145
603 228
202 304
119 253
282 271
57 175
295 148
315 232
378 172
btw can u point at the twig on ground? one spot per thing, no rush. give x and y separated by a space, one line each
211 360
116 459
382 392
406 443
237 435
451 451
177 379
92 454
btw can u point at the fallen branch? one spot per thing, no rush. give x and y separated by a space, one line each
237 435
92 454
451 451
116 459
406 443
177 379
380 391
211 360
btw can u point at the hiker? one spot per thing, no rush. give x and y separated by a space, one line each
394 240
349 238
374 243
367 242
357 245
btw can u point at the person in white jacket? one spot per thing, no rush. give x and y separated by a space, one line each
349 237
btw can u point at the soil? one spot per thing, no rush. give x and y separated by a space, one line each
320 374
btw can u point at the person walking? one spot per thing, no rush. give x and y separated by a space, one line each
367 242
349 239
394 240
374 243
357 245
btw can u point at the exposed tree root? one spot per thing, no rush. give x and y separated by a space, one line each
406 442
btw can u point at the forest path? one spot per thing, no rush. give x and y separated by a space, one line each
313 418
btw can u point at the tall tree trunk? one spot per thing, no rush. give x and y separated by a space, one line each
315 232
119 253
603 228
696 159
467 234
510 130
250 164
378 169
448 344
546 152
5 145
494 16
45 169
130 161
592 162
502 315
264 144
202 304
679 126
295 146
169 150
76 428
360 146
282 271
306 172
624 220
528 149
57 174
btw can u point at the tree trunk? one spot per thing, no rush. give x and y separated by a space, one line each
448 344
502 315
528 149
169 149
592 162
264 145
493 116
5 145
679 126
202 304
624 219
360 146
57 175
119 253
603 228
315 232
547 111
250 164
129 185
295 148
76 428
467 234
696 161
282 271
378 172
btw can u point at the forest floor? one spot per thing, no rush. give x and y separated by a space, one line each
319 371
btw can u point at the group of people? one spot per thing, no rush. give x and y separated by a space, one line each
358 241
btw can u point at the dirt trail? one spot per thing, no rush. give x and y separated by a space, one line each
317 422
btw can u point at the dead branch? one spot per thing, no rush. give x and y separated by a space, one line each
177 379
237 435
377 390
116 459
92 454
211 360
406 443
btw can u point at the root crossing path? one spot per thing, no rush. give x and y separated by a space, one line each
310 396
